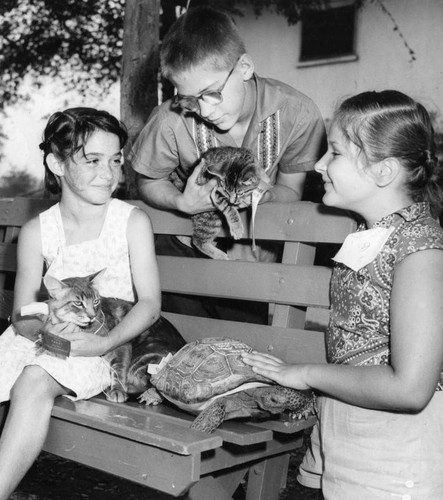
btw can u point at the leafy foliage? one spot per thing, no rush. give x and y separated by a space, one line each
80 41
17 183
77 40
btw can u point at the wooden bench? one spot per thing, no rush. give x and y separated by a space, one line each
154 446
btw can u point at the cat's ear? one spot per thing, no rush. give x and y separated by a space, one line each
214 170
96 276
53 285
206 171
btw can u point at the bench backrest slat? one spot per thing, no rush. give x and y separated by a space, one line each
301 221
280 283
290 344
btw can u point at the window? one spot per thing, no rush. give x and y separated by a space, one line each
328 33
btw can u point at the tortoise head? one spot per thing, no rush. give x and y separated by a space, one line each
276 399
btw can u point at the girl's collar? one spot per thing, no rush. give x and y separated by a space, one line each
410 213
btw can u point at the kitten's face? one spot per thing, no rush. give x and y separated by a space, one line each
73 300
237 171
240 182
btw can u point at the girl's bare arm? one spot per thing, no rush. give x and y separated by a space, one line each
28 278
416 348
147 285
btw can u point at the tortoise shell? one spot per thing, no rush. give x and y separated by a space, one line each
205 368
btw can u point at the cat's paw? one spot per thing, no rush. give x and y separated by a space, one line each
213 252
236 230
116 395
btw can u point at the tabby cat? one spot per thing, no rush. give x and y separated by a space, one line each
76 303
238 176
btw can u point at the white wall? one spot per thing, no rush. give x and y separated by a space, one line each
383 60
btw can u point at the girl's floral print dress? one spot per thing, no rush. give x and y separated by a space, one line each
359 327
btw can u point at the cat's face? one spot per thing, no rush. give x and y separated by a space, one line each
239 183
237 171
73 300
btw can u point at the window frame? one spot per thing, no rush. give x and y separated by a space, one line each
348 57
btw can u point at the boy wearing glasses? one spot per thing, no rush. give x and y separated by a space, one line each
221 101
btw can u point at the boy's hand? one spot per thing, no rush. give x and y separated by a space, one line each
196 198
277 370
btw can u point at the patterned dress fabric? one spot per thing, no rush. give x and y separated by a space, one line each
83 377
359 328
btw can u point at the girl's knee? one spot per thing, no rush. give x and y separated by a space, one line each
34 382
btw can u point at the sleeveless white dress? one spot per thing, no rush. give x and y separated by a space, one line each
83 377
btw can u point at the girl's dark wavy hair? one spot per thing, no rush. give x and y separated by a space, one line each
68 131
389 124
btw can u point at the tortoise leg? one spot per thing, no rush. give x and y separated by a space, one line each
150 397
210 418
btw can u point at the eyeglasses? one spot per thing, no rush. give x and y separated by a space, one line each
213 97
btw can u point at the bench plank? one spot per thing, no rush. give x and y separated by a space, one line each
240 434
298 221
135 423
147 465
281 283
292 345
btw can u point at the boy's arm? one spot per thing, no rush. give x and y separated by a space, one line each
154 156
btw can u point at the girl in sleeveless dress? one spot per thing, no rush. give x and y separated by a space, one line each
85 232
380 428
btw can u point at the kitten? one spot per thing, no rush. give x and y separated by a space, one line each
239 177
76 303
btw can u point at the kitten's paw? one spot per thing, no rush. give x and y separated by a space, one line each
116 395
212 251
236 231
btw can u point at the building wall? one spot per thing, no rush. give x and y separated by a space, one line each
383 60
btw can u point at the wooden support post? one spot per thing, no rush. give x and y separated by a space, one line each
267 477
139 80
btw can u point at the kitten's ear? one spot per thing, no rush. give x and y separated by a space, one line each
214 170
53 285
206 172
97 275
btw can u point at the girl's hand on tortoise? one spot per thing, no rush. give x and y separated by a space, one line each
277 370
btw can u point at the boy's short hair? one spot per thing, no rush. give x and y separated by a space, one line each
202 34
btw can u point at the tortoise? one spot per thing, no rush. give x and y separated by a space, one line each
209 378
